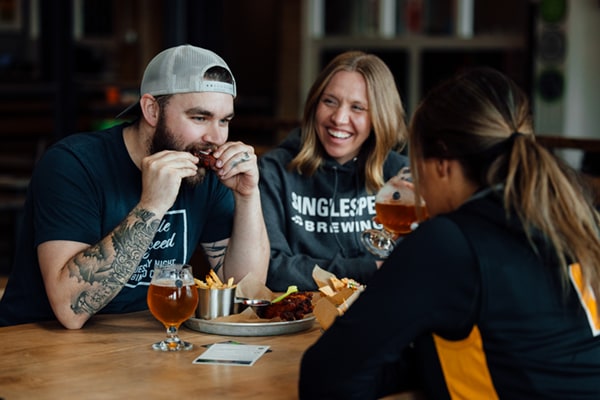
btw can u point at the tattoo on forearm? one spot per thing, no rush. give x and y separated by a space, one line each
216 255
107 266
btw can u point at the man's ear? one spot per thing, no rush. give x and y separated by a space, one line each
150 109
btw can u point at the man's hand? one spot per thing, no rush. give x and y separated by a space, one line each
237 167
162 174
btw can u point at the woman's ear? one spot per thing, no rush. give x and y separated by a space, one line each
443 167
451 170
150 109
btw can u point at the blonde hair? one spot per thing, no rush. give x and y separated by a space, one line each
481 118
386 113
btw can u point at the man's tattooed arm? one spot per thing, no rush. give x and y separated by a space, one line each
215 253
104 268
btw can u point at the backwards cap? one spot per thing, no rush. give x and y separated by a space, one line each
181 69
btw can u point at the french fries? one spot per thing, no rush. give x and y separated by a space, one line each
214 282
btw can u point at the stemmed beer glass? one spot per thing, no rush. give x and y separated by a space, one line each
396 209
172 299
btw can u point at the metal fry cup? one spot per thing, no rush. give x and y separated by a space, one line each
214 303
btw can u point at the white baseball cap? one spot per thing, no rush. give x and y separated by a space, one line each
181 69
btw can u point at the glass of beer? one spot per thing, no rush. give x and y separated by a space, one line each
172 299
397 210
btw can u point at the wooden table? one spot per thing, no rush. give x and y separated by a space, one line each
111 358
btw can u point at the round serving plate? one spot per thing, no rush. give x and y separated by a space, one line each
250 328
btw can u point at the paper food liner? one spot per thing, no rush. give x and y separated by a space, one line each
333 302
251 287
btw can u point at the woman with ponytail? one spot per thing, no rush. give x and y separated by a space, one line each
497 295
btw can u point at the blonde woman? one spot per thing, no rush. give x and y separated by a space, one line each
318 187
499 289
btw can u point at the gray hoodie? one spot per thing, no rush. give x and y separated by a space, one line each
317 220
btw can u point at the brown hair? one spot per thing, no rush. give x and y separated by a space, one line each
385 110
481 118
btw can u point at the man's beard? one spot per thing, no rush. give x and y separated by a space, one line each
164 139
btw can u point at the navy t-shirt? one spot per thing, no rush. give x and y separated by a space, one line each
82 188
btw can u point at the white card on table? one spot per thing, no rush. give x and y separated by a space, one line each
231 354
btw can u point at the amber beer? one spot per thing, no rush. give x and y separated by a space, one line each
398 218
172 305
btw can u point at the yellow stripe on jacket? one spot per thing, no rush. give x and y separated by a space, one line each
586 296
465 367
